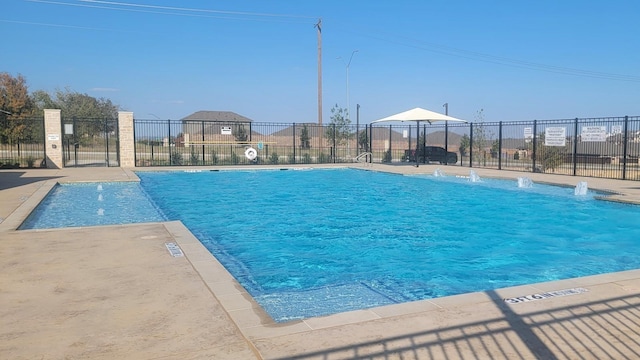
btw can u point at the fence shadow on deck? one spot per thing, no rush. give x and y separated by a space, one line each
606 329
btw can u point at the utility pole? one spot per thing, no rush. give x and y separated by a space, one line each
319 27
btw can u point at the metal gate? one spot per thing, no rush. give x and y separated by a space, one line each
90 142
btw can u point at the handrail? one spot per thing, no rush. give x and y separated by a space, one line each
359 158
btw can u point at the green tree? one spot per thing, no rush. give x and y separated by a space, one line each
14 96
549 157
42 100
75 104
495 148
481 136
305 140
15 105
81 106
465 143
363 141
341 124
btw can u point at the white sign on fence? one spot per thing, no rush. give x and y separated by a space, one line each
616 129
555 136
528 134
225 130
594 133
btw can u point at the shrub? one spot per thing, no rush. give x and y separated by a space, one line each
306 159
194 159
234 159
387 156
214 157
274 158
323 158
176 158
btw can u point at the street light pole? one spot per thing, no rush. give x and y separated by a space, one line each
347 72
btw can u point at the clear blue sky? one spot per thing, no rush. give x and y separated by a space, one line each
517 60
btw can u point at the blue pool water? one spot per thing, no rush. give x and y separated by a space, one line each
317 242
309 243
89 204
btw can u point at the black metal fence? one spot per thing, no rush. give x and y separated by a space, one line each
593 147
170 142
90 142
22 142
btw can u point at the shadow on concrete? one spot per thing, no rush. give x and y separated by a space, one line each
606 329
12 178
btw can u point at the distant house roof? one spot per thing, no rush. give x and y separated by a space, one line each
288 131
205 115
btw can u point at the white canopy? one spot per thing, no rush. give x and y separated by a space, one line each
419 114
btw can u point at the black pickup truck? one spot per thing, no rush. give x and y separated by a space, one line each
432 153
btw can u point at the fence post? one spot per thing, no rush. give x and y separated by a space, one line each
117 131
575 147
423 146
126 136
294 143
106 139
409 157
53 139
535 138
169 142
500 146
471 145
203 147
333 150
624 148
371 143
75 142
389 150
44 143
446 137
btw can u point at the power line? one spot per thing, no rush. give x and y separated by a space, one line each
70 26
187 12
194 10
500 60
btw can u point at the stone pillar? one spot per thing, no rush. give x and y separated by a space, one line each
127 140
53 138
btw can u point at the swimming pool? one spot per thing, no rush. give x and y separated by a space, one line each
317 242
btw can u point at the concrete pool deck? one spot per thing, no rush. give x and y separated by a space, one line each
116 292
